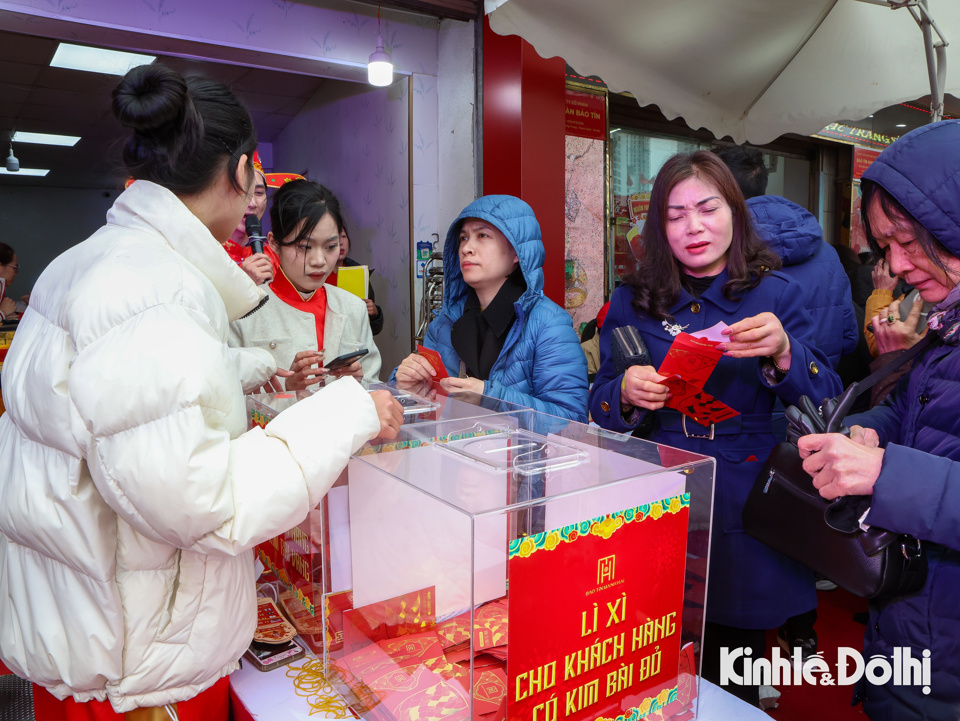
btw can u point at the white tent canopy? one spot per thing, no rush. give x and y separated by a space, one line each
751 69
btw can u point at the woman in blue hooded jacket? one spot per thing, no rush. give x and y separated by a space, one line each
497 333
906 451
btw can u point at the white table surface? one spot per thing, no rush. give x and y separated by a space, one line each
270 696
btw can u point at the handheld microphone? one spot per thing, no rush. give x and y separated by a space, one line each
255 237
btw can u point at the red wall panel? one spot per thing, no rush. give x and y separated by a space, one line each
523 139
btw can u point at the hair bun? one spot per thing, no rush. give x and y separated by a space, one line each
150 97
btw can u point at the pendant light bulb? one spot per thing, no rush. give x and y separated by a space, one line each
380 66
13 165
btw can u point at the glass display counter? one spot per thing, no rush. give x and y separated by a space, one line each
505 564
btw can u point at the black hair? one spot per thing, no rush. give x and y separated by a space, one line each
6 254
656 278
893 209
183 129
344 232
301 200
747 166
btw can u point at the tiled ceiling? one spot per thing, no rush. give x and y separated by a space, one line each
38 98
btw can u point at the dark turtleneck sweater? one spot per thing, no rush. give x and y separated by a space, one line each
696 286
479 334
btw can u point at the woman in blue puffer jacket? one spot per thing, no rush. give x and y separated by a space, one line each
497 333
906 451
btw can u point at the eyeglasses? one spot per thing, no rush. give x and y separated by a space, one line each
16 268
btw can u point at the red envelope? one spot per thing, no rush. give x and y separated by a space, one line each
489 690
408 613
459 655
693 359
429 696
368 664
435 361
412 651
696 403
454 630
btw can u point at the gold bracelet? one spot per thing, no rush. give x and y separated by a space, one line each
625 406
778 369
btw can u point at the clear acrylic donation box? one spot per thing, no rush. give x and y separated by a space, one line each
506 565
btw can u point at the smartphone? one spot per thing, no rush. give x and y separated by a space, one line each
906 305
345 359
268 656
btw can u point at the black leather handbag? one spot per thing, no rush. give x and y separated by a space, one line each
787 513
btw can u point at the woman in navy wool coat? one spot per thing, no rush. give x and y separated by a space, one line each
703 263
906 451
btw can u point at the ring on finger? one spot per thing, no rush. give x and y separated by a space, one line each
891 319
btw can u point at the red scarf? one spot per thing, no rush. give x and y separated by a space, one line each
236 251
316 303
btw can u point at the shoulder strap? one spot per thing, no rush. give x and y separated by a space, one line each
842 404
931 338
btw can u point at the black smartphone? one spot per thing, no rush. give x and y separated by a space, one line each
341 361
268 656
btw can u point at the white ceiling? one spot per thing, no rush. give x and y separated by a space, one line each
36 97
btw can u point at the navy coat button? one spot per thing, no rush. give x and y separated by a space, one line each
695 307
814 368
924 398
605 407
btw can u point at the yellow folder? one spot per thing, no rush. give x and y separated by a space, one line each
354 278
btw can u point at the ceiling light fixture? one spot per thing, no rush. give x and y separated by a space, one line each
45 139
380 64
97 60
13 165
901 125
38 172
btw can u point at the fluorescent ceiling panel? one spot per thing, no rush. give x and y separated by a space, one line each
97 60
45 138
25 171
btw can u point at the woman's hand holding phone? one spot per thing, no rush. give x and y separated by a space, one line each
347 364
306 370
354 369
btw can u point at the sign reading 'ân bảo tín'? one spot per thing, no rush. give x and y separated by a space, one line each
586 115
595 612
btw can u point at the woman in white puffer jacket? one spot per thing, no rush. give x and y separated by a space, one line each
130 495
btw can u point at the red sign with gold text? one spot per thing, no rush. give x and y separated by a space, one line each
595 611
586 115
862 159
